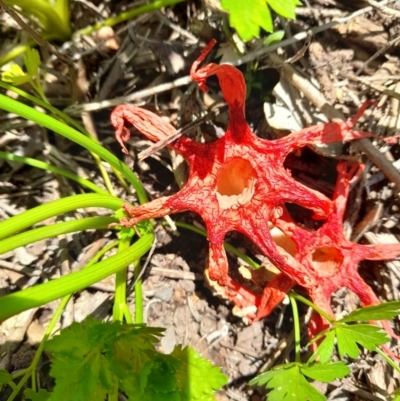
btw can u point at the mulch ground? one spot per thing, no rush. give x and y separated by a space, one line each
147 62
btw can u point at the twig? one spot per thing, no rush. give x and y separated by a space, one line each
369 82
387 168
176 28
159 145
146 263
303 35
77 109
385 10
318 99
377 54
40 41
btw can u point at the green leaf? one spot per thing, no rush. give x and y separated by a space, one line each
287 384
248 16
384 311
285 8
41 395
32 61
197 378
159 374
325 349
366 335
89 358
158 380
273 38
15 75
5 377
120 213
326 372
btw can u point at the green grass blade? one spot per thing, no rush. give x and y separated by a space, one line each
13 106
73 123
46 166
29 237
43 14
9 53
65 117
41 294
36 215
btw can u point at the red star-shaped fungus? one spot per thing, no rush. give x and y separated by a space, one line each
236 183
330 258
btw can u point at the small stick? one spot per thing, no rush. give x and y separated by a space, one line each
35 36
159 145
378 53
77 109
319 101
385 10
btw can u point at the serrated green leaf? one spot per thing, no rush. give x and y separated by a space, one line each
366 335
384 311
79 379
119 214
325 372
288 384
197 378
127 233
158 380
133 347
325 349
41 395
15 75
143 227
5 377
159 374
247 17
285 8
90 358
273 38
32 61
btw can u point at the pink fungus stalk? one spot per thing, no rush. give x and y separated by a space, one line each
239 183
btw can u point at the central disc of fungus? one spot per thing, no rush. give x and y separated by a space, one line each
327 260
235 183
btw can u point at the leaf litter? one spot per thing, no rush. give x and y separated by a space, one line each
345 88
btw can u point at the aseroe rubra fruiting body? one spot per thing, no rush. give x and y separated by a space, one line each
239 183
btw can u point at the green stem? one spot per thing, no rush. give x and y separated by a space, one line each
251 262
120 288
32 368
70 121
296 328
311 305
102 252
15 52
53 230
127 15
13 106
44 11
389 360
55 208
41 294
47 106
46 166
38 89
138 294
